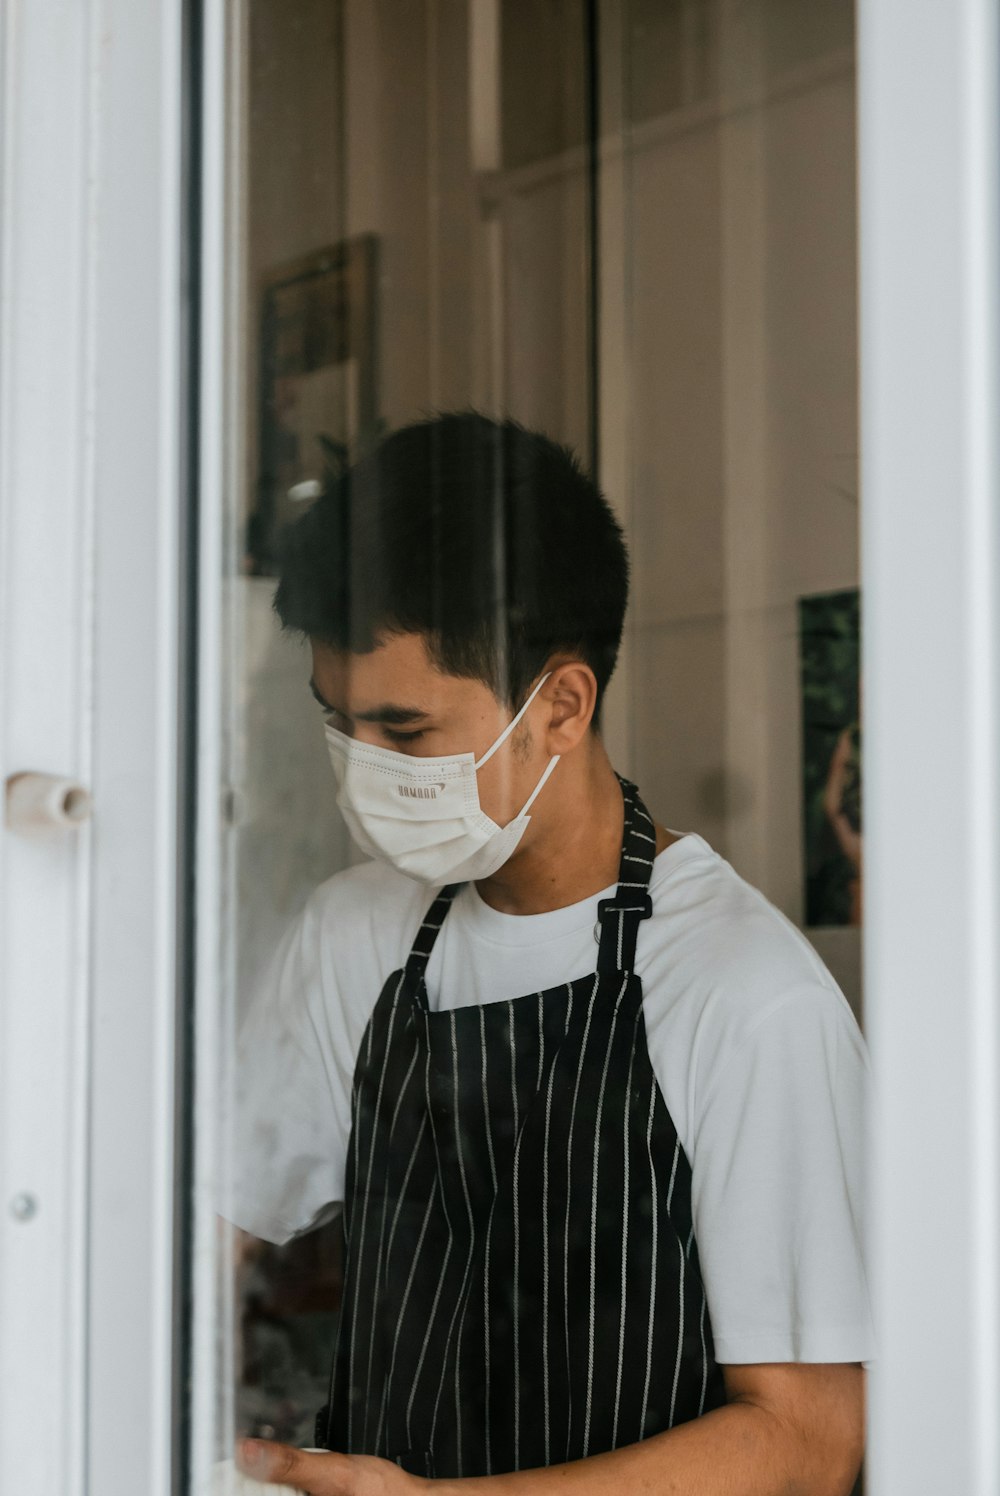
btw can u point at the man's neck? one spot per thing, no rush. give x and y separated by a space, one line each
573 850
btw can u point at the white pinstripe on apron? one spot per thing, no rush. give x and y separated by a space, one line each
521 1278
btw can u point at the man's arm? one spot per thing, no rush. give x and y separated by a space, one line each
787 1430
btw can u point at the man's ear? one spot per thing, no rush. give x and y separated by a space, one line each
571 694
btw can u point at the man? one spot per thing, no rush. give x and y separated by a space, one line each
591 1104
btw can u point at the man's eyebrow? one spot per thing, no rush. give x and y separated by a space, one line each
396 716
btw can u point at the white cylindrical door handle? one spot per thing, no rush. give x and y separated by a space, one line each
44 802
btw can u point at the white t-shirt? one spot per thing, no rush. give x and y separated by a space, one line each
757 1054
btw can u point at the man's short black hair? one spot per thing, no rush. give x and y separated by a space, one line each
488 539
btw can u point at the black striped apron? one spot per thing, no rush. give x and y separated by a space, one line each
521 1282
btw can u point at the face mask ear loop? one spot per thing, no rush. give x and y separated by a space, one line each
513 723
538 787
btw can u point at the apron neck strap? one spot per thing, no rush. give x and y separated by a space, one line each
423 944
619 918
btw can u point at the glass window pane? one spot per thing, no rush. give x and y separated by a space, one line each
650 261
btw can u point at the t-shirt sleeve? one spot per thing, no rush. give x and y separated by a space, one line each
778 1164
288 1117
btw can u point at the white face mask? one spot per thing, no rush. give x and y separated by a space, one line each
423 814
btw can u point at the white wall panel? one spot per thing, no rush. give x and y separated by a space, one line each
929 181
45 695
92 511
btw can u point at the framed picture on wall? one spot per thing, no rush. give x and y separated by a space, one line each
830 664
317 382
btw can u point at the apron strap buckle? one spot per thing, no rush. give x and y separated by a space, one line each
618 921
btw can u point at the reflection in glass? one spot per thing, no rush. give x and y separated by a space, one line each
651 259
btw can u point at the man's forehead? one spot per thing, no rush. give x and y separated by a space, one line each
398 681
397 662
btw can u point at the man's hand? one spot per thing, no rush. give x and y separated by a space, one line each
324 1474
787 1428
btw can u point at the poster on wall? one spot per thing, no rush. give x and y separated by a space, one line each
317 383
830 667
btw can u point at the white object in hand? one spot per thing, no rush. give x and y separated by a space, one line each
226 1480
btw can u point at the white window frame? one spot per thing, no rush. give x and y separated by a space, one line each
929 184
92 635
93 642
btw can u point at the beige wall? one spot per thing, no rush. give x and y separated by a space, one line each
740 471
357 121
483 286
409 183
728 355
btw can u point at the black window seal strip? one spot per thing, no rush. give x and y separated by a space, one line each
189 437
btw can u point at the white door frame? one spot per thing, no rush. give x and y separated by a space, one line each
91 638
929 185
92 650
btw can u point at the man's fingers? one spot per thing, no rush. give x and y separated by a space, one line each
280 1464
